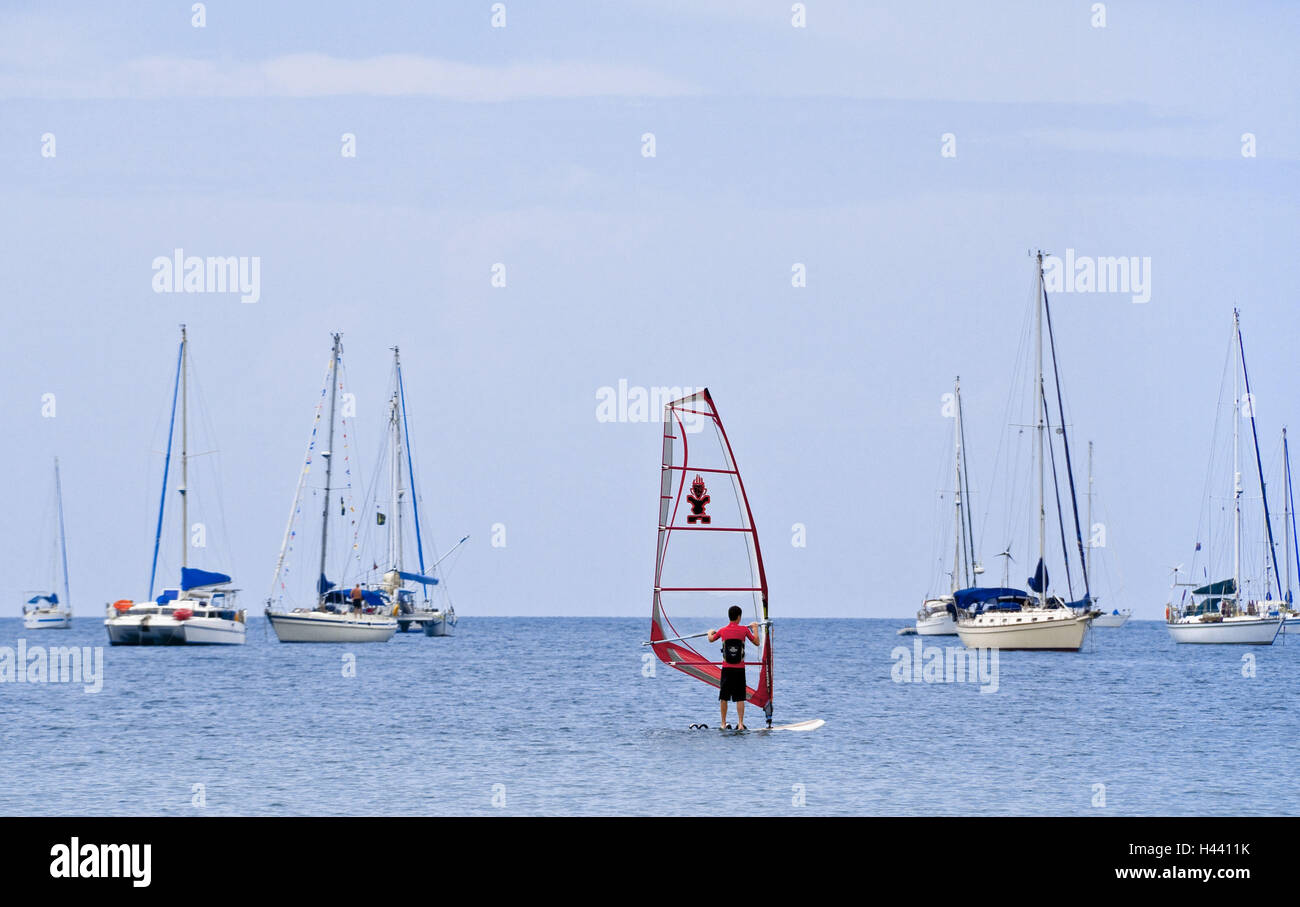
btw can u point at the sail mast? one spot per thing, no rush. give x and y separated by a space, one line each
1088 560
167 462
328 453
1041 571
957 540
185 461
410 471
63 538
1236 472
1270 563
1286 516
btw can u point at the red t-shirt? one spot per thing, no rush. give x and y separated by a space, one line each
736 631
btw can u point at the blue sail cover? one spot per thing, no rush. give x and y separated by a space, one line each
51 598
323 585
417 578
192 578
1038 582
968 599
1083 604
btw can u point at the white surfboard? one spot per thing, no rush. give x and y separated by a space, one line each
811 724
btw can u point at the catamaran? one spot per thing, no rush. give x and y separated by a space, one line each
938 616
44 610
1009 618
363 614
708 555
1218 611
202 610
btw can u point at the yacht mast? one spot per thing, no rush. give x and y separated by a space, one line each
1286 518
63 538
328 454
185 461
957 533
395 462
1088 561
1236 472
1038 404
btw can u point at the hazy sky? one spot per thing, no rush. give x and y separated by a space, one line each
523 145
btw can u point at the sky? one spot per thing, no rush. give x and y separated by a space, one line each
907 155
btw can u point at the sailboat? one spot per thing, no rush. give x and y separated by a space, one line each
938 616
202 609
1008 618
1291 542
1116 617
336 614
1218 612
44 610
708 556
397 583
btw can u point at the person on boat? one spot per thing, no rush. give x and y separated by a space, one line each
356 597
732 685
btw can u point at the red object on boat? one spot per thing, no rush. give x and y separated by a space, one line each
123 604
182 614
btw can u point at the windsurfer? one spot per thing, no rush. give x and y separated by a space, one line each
732 685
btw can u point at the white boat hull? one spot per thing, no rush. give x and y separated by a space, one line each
936 625
441 624
1255 631
1054 630
47 620
329 626
1112 620
165 630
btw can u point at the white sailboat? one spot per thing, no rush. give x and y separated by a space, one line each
1218 613
44 610
1005 618
202 610
938 615
365 614
422 599
1116 617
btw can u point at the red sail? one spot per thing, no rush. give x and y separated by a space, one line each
708 556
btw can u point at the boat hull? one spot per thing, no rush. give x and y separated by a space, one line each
936 625
1112 620
442 624
47 620
327 626
1250 632
1025 631
163 630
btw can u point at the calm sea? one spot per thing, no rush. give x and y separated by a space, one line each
556 716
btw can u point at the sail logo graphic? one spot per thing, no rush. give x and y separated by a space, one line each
698 499
1108 274
634 403
75 860
215 274
953 664
58 664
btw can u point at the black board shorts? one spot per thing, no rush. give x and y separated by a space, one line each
732 688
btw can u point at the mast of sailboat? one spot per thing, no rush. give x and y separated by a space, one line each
328 453
167 463
63 538
395 487
185 458
1270 562
1088 560
1286 515
1236 471
1040 573
410 472
957 540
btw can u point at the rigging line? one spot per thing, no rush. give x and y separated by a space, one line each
1259 464
1065 442
410 465
162 500
965 473
1060 514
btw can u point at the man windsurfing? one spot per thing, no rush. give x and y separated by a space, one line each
732 686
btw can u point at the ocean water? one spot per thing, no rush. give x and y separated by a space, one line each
556 717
